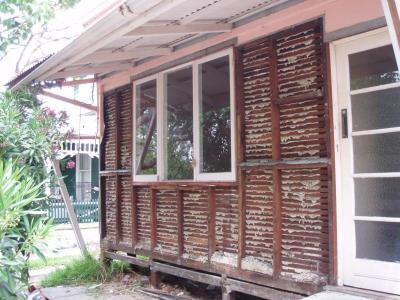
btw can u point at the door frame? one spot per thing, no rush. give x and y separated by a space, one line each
342 235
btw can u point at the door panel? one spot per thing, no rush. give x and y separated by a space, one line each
369 157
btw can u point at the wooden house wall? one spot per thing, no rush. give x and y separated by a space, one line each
271 226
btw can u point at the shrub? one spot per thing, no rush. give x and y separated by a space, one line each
22 227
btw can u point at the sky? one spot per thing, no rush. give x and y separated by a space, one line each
69 23
72 24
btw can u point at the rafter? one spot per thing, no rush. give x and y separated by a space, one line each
78 82
109 56
69 100
89 70
179 29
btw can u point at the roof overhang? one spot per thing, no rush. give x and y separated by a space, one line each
141 30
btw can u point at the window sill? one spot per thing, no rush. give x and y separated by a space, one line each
185 184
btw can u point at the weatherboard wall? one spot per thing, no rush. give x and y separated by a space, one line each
271 225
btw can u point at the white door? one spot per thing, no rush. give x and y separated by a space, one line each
368 122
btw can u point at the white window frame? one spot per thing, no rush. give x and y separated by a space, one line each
161 118
149 177
220 176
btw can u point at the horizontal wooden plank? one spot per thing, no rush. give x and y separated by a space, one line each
130 259
185 273
288 164
260 291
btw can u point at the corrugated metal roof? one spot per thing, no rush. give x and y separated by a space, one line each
26 72
142 30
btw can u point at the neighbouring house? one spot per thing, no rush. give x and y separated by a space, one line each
79 165
251 145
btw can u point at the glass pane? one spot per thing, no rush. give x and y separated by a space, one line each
377 153
84 162
378 197
179 129
373 67
376 110
378 241
146 129
215 121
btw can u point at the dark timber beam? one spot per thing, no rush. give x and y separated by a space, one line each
68 100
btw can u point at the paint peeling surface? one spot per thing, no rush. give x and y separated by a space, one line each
195 228
305 224
167 222
257 100
126 211
125 127
259 215
110 202
143 216
226 220
224 258
254 264
110 122
300 77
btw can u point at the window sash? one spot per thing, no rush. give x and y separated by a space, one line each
161 123
144 177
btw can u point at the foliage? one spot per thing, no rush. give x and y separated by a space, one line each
22 227
28 133
216 140
83 271
180 144
20 16
28 138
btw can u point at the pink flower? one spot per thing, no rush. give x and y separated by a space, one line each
70 164
55 147
49 112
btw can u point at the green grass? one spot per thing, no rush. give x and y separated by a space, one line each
83 271
51 262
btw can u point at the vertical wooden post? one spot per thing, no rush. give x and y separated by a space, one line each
211 222
102 200
153 219
240 140
276 175
116 167
134 214
117 208
227 294
276 156
331 172
242 217
180 224
70 208
155 279
102 208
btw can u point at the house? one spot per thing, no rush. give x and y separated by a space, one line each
251 144
79 165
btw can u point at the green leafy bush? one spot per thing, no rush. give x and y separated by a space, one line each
22 227
29 136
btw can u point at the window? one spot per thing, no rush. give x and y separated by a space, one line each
179 124
215 116
83 177
145 129
185 117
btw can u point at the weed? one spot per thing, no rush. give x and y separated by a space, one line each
83 271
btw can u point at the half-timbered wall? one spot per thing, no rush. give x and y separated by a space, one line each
271 225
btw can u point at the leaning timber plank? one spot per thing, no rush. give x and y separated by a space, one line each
188 274
70 209
129 259
260 291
